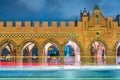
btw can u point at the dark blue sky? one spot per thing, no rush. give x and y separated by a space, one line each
14 10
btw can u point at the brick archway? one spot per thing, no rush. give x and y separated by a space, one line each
5 41
96 57
51 40
74 40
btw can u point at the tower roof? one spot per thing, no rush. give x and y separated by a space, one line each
96 7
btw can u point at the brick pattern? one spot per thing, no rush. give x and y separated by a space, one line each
37 35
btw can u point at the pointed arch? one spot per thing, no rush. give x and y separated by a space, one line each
30 50
26 41
8 40
116 48
98 51
73 50
74 40
50 53
8 50
97 39
51 40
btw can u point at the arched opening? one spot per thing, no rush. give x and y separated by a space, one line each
118 53
71 53
98 53
30 54
8 54
51 54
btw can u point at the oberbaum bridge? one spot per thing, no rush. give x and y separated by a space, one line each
94 40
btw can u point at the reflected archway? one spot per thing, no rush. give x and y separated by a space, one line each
71 53
51 54
29 53
98 53
8 53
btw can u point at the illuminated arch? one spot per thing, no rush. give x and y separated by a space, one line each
98 51
52 41
117 49
50 54
26 41
74 40
29 51
75 59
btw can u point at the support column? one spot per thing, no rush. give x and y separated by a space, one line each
61 57
40 58
0 56
45 60
18 58
85 57
111 57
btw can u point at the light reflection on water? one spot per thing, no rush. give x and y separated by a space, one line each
63 74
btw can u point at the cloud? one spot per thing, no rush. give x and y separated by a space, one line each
70 8
32 5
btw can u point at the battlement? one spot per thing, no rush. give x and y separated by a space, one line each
43 24
54 24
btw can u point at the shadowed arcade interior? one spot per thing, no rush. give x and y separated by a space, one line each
30 53
8 54
98 53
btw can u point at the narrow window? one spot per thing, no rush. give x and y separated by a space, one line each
110 24
85 24
97 19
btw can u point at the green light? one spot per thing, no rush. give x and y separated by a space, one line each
97 33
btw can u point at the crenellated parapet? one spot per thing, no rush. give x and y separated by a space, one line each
71 24
38 24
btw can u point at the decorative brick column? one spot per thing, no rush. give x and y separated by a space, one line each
61 57
39 57
18 58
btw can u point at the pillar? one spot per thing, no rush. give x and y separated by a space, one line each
111 57
18 58
39 57
62 57
85 57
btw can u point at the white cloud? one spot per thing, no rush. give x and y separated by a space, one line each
32 5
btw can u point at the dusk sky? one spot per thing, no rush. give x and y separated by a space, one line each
32 10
